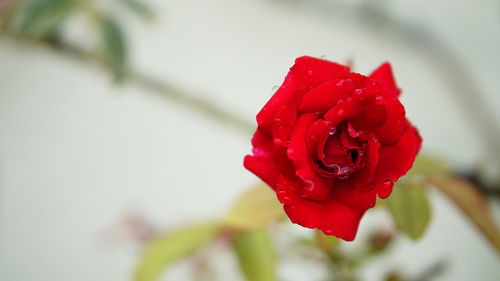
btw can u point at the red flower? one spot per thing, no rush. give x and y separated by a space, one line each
329 141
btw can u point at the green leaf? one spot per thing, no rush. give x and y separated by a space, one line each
255 209
139 7
44 17
472 202
409 207
163 251
326 242
114 48
255 255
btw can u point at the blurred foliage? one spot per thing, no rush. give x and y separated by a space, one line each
409 207
139 8
255 209
473 204
256 255
47 21
44 18
326 242
114 49
165 249
426 164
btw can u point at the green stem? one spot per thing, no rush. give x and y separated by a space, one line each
204 106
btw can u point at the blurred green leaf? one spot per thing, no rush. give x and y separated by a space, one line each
255 208
44 17
409 206
255 255
326 242
114 48
427 164
473 204
164 250
139 7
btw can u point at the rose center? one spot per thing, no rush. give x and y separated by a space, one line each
341 154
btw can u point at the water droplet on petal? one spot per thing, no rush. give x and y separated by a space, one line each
308 185
278 141
386 189
328 232
310 72
333 168
345 84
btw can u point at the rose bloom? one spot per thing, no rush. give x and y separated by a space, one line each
329 141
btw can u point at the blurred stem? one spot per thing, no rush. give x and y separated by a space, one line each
432 272
339 269
147 82
337 263
208 108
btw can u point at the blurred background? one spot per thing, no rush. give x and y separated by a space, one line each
90 159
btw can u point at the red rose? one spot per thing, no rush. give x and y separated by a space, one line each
329 141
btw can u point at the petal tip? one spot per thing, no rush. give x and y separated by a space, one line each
384 75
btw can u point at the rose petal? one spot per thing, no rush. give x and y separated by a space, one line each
360 199
363 177
346 110
315 186
323 97
373 115
310 72
284 120
396 160
384 189
394 125
317 135
331 217
262 163
306 73
383 74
